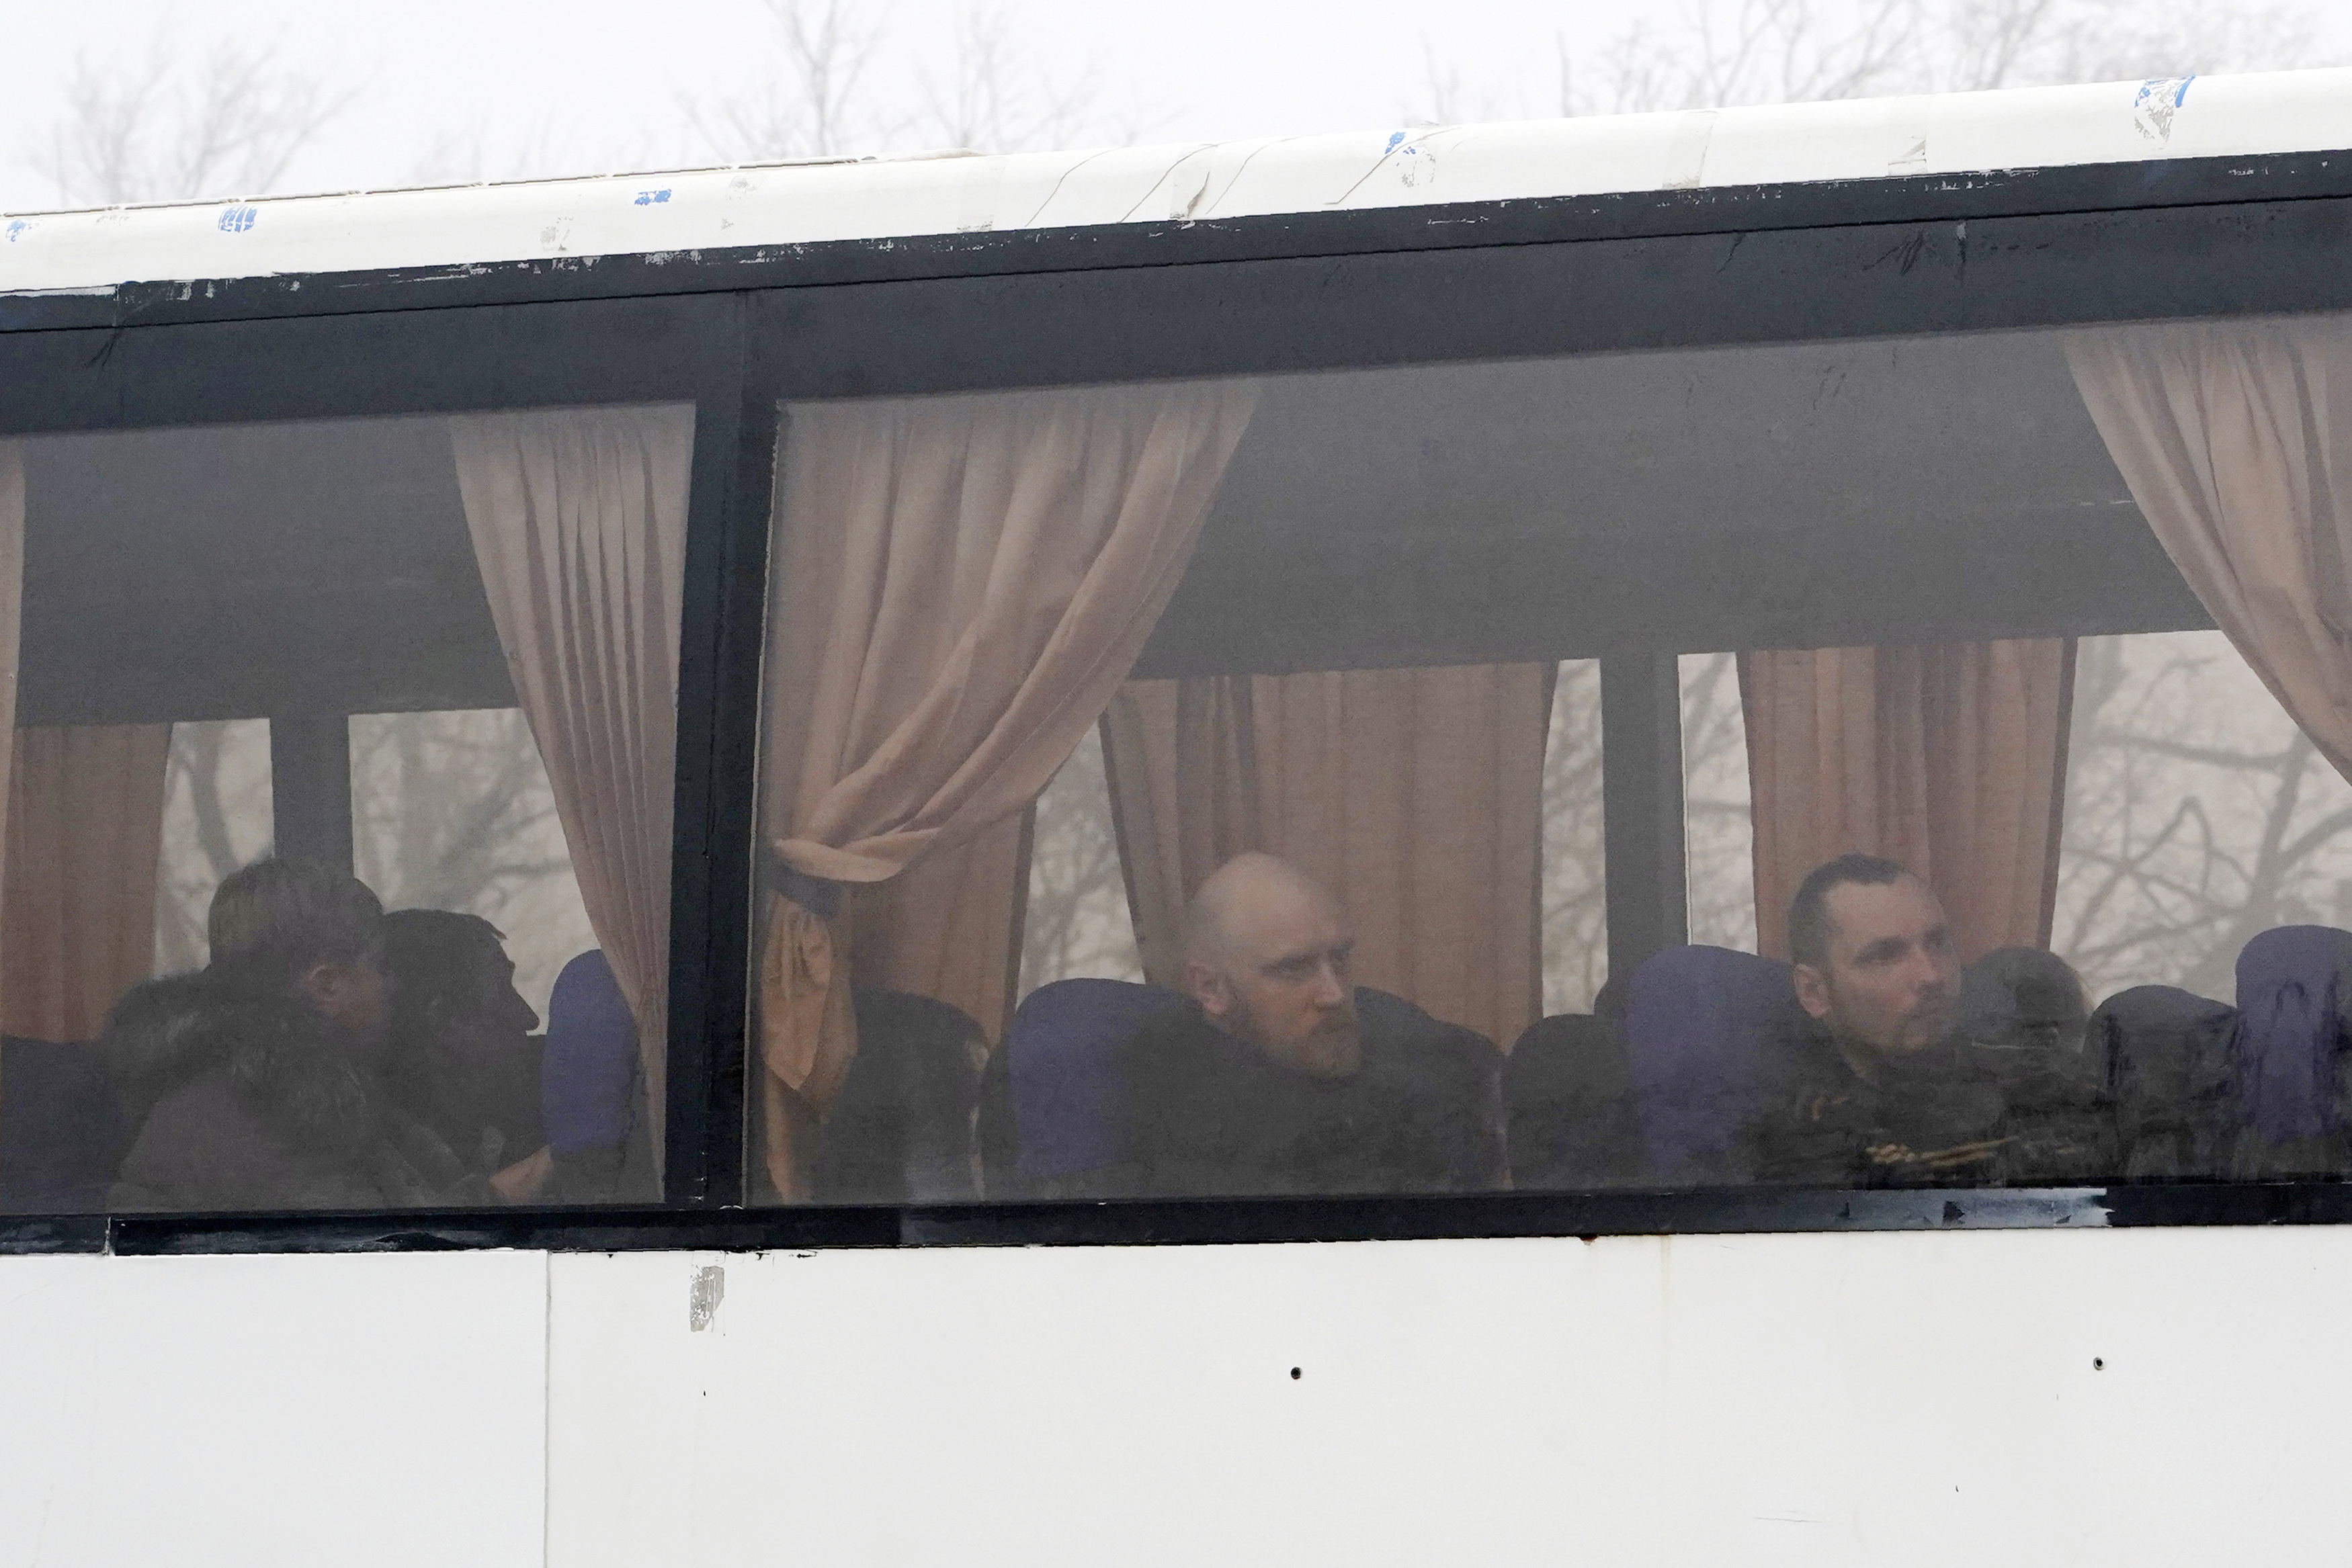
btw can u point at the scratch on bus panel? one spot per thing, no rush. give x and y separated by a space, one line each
702 1299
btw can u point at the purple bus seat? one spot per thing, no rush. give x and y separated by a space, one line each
2167 1058
63 1127
1701 1024
2295 987
588 1075
1062 1058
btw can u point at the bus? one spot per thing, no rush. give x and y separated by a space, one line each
1622 838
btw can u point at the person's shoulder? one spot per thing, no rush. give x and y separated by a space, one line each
160 1028
203 1145
1179 1030
1402 1040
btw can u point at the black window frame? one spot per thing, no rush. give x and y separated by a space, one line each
739 332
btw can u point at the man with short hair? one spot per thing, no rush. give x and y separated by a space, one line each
256 1081
463 1059
1877 1093
1269 1080
1874 960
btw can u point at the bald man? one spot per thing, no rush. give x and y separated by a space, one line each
1272 1083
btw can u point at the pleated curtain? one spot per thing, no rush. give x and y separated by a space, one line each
960 585
2239 453
78 899
1414 795
578 518
1949 758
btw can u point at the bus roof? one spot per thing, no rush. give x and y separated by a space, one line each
681 214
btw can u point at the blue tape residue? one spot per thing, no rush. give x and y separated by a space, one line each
18 227
1395 137
649 198
237 220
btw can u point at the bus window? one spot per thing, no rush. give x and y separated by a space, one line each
338 810
1983 858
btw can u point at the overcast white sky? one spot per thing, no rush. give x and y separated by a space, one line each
529 86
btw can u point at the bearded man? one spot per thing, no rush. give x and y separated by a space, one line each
1280 1078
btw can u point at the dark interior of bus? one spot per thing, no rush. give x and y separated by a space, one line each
1630 509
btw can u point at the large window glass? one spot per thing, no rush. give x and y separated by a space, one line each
1199 789
338 810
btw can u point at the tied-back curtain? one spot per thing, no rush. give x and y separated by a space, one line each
948 926
1415 795
1949 758
2238 454
77 900
578 517
961 584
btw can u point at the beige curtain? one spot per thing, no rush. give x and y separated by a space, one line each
85 848
2240 455
12 596
1414 795
579 524
961 584
1949 758
948 926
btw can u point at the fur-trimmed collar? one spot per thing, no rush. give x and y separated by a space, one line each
294 1066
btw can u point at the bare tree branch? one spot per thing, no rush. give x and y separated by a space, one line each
229 124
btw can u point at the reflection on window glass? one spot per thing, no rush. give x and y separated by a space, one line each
1575 891
454 810
274 682
1718 839
215 819
1076 922
2197 816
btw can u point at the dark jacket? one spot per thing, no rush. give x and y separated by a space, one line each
1963 1114
485 1108
257 1102
1574 1125
902 1129
1210 1115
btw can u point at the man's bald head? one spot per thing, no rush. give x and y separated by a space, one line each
1267 953
1243 898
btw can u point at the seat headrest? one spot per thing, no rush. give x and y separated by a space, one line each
1062 1058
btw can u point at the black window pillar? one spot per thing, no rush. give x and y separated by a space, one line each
310 786
1641 807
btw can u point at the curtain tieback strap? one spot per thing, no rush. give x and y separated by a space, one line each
819 896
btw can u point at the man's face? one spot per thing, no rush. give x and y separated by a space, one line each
1284 985
493 1017
1892 980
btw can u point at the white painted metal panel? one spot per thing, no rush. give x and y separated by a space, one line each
680 214
345 1410
1926 1397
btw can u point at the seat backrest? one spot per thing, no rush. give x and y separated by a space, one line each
1569 1103
1460 1075
1702 1025
588 1068
2165 1057
1063 1077
63 1129
2295 991
903 1128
